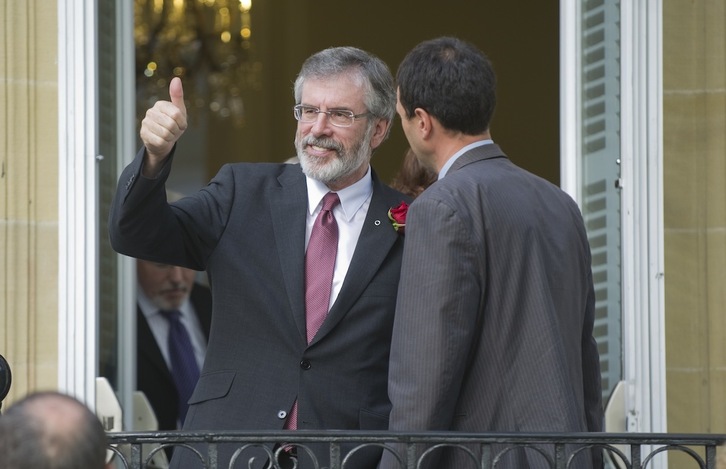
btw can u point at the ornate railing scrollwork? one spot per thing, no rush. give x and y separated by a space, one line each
337 449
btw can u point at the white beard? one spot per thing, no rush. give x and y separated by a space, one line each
330 171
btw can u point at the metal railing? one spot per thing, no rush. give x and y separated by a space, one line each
141 450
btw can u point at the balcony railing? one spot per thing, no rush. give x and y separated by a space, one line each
486 451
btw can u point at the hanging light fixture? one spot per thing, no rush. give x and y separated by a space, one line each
207 43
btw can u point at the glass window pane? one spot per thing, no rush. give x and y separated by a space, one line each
107 133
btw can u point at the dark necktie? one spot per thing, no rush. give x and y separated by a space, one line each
184 368
319 267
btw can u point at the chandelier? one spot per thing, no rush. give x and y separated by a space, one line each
207 43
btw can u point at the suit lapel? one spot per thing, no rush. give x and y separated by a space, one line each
288 205
148 348
376 240
201 301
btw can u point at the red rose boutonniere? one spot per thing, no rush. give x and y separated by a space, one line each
397 215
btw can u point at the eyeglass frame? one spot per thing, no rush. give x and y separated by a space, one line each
297 112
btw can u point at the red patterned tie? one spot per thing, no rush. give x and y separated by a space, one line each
320 264
319 267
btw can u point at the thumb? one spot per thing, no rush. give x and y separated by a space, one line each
176 92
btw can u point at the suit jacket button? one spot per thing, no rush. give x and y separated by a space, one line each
281 414
305 365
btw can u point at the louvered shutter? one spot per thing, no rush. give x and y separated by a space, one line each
600 131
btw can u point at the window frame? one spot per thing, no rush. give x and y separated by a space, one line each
77 238
78 208
643 309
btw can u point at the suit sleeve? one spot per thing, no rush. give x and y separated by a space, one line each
436 315
143 225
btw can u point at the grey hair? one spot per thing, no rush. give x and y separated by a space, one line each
380 91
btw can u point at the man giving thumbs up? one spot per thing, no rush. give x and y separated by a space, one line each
267 366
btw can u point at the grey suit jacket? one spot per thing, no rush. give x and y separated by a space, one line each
493 329
247 230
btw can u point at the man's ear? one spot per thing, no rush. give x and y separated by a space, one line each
380 132
423 122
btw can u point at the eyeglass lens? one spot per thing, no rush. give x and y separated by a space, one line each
337 117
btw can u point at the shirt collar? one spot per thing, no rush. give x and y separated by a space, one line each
351 198
456 156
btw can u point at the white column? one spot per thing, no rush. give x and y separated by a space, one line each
77 233
642 212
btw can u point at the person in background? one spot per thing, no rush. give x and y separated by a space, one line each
298 340
162 290
494 320
413 178
48 429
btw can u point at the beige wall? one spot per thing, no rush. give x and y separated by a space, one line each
29 193
694 127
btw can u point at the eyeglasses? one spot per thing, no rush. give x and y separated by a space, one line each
337 117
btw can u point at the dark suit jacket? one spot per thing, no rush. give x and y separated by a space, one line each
247 230
153 377
493 329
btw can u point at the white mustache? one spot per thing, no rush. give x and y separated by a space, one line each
328 143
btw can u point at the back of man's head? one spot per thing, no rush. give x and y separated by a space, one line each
450 79
51 430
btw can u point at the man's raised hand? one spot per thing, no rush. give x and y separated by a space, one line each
163 125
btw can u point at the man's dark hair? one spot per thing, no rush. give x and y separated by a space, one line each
450 79
51 430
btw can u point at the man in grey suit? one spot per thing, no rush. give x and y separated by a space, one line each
493 328
249 228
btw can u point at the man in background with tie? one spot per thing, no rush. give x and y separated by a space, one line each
298 341
172 324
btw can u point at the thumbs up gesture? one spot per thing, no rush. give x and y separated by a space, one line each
163 125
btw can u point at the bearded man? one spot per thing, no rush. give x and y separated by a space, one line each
298 341
162 289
